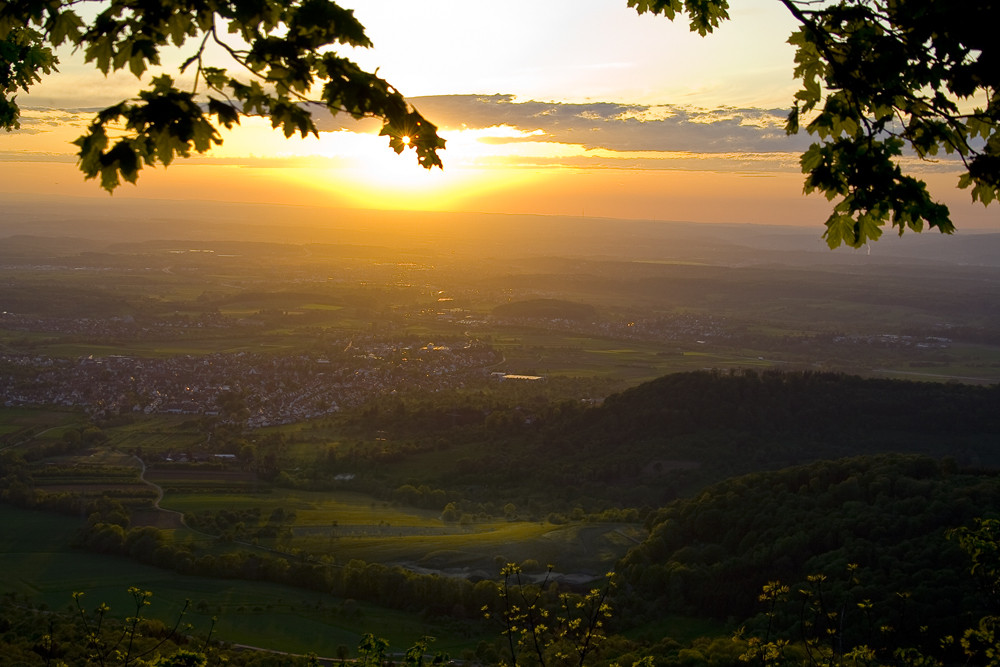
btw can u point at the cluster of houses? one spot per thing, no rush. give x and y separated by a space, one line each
254 389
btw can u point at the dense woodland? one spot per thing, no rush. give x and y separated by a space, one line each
664 439
887 514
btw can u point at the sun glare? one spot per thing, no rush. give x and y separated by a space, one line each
361 169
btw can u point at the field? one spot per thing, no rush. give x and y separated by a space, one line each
346 526
37 560
19 425
550 353
338 526
725 308
157 434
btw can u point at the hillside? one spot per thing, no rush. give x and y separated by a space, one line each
661 440
876 527
686 430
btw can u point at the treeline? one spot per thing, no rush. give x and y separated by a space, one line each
24 482
643 447
703 427
108 531
829 405
242 524
547 309
885 518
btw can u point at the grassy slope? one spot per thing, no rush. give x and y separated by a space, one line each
36 560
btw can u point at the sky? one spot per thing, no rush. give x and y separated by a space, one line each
561 107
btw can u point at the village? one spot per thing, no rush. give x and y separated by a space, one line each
253 389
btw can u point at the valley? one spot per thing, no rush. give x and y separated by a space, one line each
329 434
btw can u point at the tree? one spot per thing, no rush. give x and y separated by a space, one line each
283 54
837 628
881 80
543 627
110 644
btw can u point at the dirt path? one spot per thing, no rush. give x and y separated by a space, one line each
176 519
175 516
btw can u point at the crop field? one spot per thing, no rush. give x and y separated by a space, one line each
972 364
36 560
189 479
157 435
311 508
40 418
32 427
93 475
551 353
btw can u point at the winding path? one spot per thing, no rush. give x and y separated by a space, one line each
159 496
180 517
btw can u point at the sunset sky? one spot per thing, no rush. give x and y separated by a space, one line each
567 107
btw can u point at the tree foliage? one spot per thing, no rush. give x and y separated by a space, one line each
835 624
285 67
889 514
884 80
543 627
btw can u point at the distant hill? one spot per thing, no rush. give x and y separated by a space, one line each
672 436
549 309
478 234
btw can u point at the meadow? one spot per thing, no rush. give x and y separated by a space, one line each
348 525
38 561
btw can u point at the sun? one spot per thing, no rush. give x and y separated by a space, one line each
364 171
359 170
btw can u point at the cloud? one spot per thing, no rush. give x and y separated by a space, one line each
500 130
614 126
596 125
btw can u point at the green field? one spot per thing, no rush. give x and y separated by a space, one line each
348 525
38 561
21 426
551 353
156 434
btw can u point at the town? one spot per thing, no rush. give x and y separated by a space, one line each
253 389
